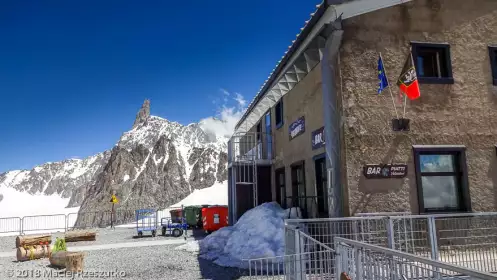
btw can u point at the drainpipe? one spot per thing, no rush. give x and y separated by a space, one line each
332 120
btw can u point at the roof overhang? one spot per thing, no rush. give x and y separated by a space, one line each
276 86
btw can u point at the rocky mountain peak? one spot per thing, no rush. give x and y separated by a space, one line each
143 114
155 164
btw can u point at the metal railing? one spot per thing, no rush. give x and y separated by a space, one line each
468 240
250 146
309 205
10 224
71 221
359 260
372 230
312 260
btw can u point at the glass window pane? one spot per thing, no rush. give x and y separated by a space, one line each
437 163
440 192
300 176
301 190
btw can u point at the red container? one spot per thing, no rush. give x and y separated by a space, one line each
214 218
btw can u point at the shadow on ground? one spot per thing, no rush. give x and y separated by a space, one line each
197 234
210 270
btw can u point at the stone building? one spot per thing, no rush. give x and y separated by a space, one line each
319 136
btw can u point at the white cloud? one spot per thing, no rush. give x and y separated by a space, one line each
227 115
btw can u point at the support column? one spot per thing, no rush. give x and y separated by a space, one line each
332 120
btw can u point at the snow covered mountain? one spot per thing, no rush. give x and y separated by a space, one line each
155 164
65 178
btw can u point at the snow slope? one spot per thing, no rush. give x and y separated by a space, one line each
215 195
20 204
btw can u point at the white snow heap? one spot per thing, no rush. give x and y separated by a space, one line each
259 233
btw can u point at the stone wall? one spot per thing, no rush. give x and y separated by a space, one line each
464 113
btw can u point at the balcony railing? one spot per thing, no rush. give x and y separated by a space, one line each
311 206
250 146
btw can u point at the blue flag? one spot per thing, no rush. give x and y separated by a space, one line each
382 76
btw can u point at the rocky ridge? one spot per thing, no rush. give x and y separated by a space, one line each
155 164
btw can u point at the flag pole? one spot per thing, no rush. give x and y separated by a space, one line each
389 87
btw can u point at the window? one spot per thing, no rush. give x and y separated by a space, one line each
442 181
433 65
269 146
298 186
278 112
259 131
321 185
280 187
493 63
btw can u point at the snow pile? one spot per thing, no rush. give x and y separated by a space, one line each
259 233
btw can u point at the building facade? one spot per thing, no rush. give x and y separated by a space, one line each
332 148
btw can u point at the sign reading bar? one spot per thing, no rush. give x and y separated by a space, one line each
384 171
318 138
296 128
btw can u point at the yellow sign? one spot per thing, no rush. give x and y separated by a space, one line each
114 199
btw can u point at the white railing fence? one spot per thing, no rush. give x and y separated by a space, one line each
444 241
313 260
468 240
65 222
359 260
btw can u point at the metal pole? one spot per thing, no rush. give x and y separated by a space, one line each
332 122
112 217
389 88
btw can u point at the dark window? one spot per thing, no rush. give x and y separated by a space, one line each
298 186
278 112
432 61
442 181
280 187
493 63
321 186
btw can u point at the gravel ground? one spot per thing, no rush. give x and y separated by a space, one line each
104 236
142 263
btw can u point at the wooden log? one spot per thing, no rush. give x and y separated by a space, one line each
30 240
74 236
58 259
33 252
75 261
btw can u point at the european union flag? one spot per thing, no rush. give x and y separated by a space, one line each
382 76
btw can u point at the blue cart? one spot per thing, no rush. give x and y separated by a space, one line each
173 229
146 220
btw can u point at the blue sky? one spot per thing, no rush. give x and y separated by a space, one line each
73 74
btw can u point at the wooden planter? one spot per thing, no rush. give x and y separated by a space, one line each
31 240
72 261
74 236
33 252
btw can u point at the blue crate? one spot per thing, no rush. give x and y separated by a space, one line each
146 220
